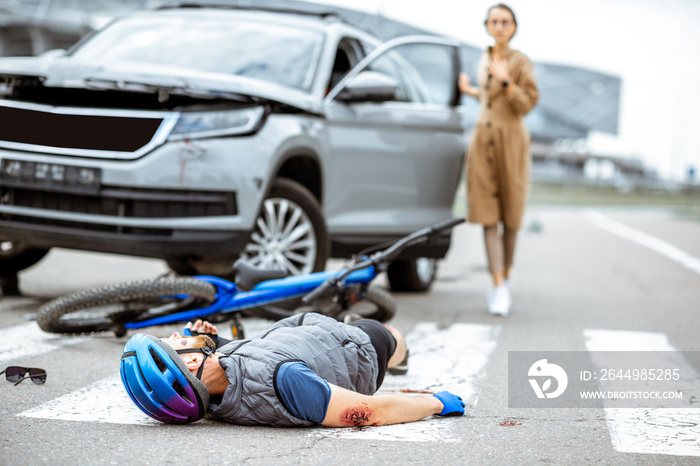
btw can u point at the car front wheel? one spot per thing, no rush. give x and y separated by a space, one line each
290 232
412 274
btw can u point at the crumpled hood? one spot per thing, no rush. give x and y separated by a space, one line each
64 71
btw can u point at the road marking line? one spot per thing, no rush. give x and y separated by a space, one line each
29 340
103 401
662 247
659 431
453 359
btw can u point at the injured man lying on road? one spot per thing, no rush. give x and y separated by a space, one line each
304 370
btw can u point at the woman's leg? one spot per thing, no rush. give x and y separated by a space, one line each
509 237
499 301
494 252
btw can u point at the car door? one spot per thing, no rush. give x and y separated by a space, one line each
395 164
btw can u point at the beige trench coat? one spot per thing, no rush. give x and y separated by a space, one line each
498 157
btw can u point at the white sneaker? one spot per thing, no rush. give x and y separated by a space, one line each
499 302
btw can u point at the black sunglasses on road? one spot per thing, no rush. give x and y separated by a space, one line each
17 374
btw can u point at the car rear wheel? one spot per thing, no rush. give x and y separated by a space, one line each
16 256
412 274
290 232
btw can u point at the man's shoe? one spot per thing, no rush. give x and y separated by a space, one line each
499 302
401 368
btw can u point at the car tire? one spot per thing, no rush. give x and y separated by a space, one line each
290 232
412 274
15 256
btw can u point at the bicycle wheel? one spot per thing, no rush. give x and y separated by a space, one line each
110 307
378 305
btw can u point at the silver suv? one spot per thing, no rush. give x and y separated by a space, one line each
201 134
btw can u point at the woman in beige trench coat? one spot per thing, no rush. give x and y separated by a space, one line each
498 157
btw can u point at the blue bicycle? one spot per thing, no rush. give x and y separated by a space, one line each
256 292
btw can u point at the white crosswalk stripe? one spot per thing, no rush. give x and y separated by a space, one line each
104 401
664 431
29 340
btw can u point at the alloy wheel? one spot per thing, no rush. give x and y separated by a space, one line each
284 238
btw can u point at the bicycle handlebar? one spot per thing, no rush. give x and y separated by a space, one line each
383 256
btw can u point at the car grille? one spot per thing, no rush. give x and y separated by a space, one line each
97 133
126 202
83 226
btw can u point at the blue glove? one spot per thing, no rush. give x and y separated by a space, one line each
452 404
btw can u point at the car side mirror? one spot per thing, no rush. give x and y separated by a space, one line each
369 86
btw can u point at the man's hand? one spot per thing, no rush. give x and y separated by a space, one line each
453 404
201 328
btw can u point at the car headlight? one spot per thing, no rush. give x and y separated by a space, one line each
216 123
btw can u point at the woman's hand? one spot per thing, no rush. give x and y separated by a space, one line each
465 86
498 67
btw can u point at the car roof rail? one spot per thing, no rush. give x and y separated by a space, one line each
271 9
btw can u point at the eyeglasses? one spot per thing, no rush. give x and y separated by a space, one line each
17 374
504 23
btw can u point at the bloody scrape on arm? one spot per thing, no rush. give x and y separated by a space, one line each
350 409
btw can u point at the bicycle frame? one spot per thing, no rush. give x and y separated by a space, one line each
229 299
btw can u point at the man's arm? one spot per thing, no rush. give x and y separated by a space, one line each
347 408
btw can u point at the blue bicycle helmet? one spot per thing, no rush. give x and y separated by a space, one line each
158 381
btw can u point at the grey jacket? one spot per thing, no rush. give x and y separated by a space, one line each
341 354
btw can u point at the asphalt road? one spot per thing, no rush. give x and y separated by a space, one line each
630 273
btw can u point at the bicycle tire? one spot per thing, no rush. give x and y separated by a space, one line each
384 305
137 297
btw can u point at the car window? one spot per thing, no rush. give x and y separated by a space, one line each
435 63
270 52
349 52
410 86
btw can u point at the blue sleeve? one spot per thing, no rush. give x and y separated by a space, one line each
302 392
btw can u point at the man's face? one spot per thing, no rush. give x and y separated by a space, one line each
191 360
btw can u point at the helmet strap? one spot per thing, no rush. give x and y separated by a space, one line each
205 350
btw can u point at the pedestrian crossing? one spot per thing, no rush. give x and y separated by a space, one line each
28 340
667 431
454 357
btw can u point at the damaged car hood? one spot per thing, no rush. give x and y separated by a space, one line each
63 71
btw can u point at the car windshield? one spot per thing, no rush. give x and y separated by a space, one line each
267 51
